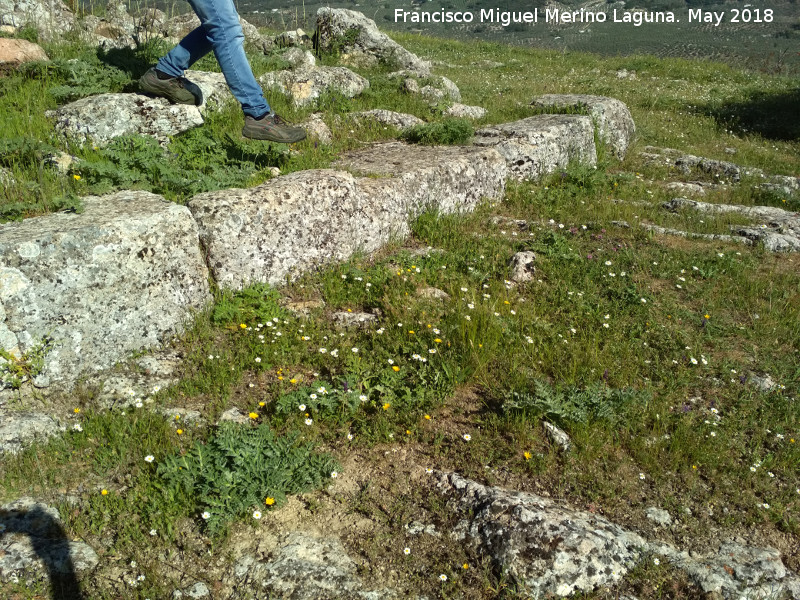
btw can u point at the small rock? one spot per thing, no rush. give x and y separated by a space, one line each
14 53
353 319
764 383
297 37
184 415
302 308
522 268
6 178
411 86
198 590
233 415
462 111
20 429
433 293
417 528
317 129
387 117
61 161
686 188
557 436
659 516
299 59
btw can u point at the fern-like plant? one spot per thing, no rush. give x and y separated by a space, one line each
238 469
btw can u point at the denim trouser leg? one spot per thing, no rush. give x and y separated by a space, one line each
221 32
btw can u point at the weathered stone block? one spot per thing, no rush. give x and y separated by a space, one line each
300 221
104 117
121 276
541 144
614 122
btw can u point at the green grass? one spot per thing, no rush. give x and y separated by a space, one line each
639 346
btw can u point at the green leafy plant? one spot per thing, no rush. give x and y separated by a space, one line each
447 132
239 468
14 371
257 303
573 405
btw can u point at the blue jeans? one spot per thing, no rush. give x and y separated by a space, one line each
221 32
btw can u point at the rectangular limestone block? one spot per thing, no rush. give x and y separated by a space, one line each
303 220
121 276
541 144
287 225
446 178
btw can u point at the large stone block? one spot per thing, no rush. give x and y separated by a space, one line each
614 122
303 220
291 223
101 118
123 275
541 144
334 26
446 178
305 86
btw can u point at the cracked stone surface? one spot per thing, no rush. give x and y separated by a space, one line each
265 233
18 429
387 117
132 253
305 567
334 23
549 547
541 144
33 543
305 86
99 119
614 122
778 229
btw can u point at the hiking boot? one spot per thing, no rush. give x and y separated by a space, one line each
272 128
177 90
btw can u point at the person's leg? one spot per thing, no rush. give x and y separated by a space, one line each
220 23
190 49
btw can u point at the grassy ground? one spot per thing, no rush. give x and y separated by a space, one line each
641 347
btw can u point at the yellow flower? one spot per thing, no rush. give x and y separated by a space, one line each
77 410
386 406
506 302
438 341
104 492
428 417
253 415
293 380
76 177
395 368
408 432
177 417
694 466
465 566
411 331
262 403
527 455
791 440
349 310
243 326
280 377
707 316
179 431
269 501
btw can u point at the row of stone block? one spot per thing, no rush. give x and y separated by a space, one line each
130 270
